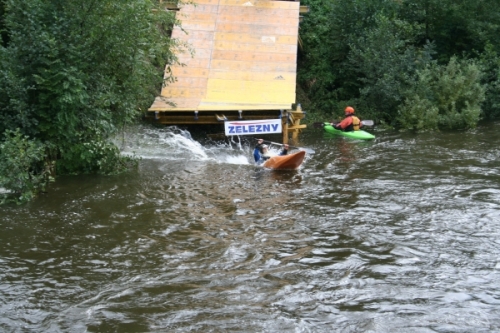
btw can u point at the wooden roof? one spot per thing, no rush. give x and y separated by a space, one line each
245 57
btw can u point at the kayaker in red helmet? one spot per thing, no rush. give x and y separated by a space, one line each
350 122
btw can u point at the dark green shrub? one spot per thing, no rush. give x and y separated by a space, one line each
23 171
444 97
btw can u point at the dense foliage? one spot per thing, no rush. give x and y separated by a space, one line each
72 73
411 64
22 167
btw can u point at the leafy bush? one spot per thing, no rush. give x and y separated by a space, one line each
418 114
454 90
22 168
94 156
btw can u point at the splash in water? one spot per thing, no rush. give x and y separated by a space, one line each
173 143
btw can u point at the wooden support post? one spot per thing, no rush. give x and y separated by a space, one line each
296 123
284 125
295 127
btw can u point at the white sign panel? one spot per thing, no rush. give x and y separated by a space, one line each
252 127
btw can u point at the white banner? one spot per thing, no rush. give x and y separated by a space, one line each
252 127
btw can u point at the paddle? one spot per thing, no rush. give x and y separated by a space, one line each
307 150
363 122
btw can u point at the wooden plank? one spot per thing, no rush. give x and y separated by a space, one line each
296 127
232 65
190 104
254 57
181 103
193 35
254 86
207 2
202 53
197 16
196 44
248 91
252 76
260 4
187 8
183 92
250 97
202 119
253 47
222 105
259 29
268 13
245 38
191 82
190 72
198 25
256 18
195 63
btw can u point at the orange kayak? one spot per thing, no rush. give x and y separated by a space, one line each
286 162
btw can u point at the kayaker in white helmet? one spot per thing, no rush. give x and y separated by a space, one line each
261 152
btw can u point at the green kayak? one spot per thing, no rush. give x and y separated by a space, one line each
360 135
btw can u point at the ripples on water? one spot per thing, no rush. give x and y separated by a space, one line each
400 234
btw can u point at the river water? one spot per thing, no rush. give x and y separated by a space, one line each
400 234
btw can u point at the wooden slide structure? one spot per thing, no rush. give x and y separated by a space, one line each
244 64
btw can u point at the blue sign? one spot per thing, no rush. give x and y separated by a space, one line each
251 127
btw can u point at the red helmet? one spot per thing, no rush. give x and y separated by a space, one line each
349 110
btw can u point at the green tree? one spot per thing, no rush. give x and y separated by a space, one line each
385 60
3 34
74 72
367 52
490 65
316 72
348 45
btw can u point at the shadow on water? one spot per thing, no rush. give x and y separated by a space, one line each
399 234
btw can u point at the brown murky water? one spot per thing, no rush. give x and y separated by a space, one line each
401 234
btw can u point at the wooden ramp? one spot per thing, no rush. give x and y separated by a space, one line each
244 63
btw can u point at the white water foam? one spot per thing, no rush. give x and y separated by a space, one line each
172 143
